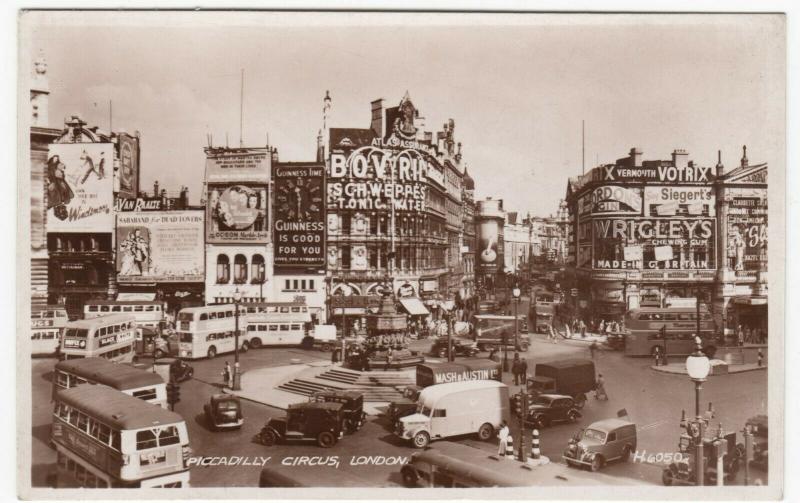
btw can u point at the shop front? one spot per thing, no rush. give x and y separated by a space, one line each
750 315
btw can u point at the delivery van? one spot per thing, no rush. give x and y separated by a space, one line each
456 408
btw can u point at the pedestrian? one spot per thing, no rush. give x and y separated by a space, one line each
502 435
657 355
602 327
515 368
583 329
388 358
226 375
592 349
523 372
600 388
741 336
335 356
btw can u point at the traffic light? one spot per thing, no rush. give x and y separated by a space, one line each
518 404
173 393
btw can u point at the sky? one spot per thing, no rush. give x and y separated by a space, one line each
517 87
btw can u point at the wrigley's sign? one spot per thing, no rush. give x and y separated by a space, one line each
667 174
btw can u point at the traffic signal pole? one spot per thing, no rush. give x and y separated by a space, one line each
523 415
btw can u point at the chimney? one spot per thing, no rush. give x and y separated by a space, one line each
680 158
377 117
155 189
635 157
744 156
428 136
274 154
720 167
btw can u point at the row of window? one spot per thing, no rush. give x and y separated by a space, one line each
145 394
216 336
374 225
407 257
114 329
66 380
82 476
273 328
115 353
277 309
123 309
258 269
44 335
672 316
299 285
89 425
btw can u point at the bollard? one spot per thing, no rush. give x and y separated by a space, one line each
535 452
510 447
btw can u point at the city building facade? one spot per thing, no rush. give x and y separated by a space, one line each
645 233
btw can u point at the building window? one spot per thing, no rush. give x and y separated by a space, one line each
223 269
240 269
373 257
346 219
345 257
258 269
311 284
373 225
302 284
296 285
288 285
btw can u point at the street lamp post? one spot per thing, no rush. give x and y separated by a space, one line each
516 294
698 367
237 376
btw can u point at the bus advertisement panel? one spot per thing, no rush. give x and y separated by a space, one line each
159 246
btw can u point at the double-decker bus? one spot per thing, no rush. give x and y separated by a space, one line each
205 332
112 337
46 327
147 386
105 438
149 314
277 323
671 329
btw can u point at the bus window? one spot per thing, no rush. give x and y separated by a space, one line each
185 317
203 316
251 328
229 314
104 309
669 316
685 316
116 309
212 315
168 436
138 309
295 327
295 309
93 309
272 309
150 308
284 309
273 328
250 310
262 328
284 327
115 443
100 332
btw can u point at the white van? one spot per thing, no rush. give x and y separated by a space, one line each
457 408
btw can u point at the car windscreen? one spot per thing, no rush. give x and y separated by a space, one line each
593 435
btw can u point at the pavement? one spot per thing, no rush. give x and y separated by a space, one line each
260 384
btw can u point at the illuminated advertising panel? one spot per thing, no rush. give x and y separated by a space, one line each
488 245
672 201
299 215
237 214
747 230
128 173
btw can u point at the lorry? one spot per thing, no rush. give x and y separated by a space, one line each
456 408
322 337
429 374
573 377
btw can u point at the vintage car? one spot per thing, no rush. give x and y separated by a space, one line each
461 347
180 371
224 412
682 472
404 406
547 408
321 422
603 441
352 406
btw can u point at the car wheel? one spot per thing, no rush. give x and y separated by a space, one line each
597 463
245 346
626 454
212 352
269 438
349 426
523 348
667 477
573 415
442 353
541 421
255 343
409 477
580 400
326 439
189 374
327 347
485 432
421 439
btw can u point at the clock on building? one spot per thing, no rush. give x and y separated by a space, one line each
300 199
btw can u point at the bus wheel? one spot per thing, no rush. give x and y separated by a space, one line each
212 352
255 343
485 432
245 346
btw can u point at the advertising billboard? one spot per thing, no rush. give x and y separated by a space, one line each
671 201
160 247
237 214
299 215
612 199
657 243
488 245
80 187
128 174
377 174
748 232
664 173
230 165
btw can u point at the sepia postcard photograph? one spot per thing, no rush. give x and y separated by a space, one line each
400 254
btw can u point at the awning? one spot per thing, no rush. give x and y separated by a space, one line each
414 306
750 301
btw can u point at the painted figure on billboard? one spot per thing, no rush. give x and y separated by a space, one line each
135 250
59 193
88 167
237 207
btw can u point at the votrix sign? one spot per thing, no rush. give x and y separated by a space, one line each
299 226
666 174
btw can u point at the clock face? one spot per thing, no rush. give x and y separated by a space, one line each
300 199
